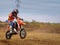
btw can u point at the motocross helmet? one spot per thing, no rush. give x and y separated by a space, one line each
15 12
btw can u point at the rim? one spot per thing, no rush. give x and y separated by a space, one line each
23 33
8 35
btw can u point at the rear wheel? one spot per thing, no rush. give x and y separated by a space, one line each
22 33
8 35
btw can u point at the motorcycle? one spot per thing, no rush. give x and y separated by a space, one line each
15 30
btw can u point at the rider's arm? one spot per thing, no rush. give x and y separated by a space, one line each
19 18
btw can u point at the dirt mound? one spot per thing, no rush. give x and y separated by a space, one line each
33 38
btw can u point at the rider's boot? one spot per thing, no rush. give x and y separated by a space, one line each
10 29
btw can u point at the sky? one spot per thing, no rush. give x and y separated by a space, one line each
39 10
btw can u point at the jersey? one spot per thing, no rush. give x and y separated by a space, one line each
10 17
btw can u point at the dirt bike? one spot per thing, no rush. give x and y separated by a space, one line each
21 31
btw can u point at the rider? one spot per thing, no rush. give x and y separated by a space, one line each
11 17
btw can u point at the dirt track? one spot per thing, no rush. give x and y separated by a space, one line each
33 38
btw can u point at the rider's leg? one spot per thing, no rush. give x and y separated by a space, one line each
11 24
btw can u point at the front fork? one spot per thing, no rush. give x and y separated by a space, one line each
8 27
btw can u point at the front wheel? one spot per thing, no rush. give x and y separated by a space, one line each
22 33
8 35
